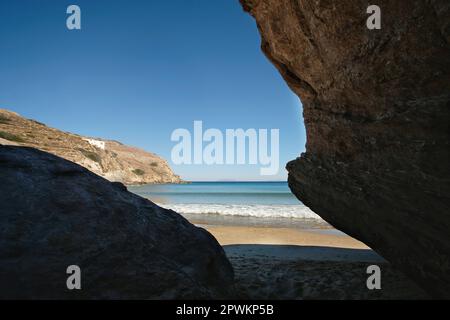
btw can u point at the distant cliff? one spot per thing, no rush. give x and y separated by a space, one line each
109 159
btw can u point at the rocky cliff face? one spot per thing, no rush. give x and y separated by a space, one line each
109 159
55 213
376 109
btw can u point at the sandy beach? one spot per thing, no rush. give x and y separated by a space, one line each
288 263
228 235
279 248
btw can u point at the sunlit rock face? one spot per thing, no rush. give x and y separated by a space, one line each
376 109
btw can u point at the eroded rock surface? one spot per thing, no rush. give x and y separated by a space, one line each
54 213
376 109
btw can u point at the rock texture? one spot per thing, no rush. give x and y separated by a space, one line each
109 159
55 213
376 109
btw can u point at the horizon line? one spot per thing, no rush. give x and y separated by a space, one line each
235 180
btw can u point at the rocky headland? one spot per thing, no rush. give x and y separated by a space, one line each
110 159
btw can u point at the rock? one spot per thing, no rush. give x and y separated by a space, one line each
55 213
107 158
376 109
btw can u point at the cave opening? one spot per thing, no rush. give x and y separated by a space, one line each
198 113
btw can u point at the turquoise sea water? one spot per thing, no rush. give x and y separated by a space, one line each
256 200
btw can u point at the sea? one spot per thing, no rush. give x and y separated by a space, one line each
233 203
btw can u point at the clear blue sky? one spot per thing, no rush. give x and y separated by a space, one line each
140 69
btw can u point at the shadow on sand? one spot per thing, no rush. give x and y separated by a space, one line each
313 272
295 252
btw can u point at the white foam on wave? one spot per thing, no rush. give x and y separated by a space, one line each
243 210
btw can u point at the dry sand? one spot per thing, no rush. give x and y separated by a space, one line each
227 235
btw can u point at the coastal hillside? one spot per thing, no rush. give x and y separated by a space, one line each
109 159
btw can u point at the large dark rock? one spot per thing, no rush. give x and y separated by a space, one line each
376 110
54 213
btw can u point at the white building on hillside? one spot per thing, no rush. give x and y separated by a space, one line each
96 143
